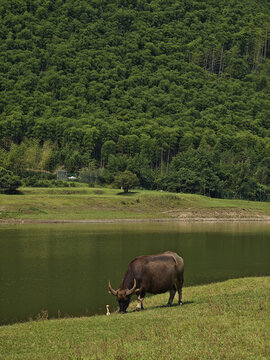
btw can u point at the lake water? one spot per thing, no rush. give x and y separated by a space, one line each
64 269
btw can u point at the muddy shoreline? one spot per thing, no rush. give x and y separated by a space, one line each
119 221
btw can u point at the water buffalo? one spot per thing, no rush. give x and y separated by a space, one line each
154 274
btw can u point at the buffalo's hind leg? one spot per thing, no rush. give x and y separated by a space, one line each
179 287
172 293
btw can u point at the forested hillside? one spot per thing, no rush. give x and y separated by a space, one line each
176 91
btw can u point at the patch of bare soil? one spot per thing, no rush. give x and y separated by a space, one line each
218 214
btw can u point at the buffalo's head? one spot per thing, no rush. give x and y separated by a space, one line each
123 296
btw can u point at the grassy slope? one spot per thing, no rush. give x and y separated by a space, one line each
102 203
228 320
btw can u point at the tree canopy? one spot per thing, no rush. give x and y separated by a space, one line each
176 92
126 180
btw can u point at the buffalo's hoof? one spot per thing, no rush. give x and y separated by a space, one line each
169 305
180 303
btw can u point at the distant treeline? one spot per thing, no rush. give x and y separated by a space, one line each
178 92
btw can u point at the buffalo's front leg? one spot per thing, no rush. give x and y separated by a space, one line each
139 305
140 301
172 293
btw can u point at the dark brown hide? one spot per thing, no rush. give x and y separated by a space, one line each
154 274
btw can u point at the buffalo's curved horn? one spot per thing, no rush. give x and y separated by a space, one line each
112 291
131 291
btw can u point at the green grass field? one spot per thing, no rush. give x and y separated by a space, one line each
227 320
84 203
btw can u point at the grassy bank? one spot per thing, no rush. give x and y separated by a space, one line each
84 203
227 320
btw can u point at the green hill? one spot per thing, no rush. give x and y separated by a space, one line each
175 91
86 204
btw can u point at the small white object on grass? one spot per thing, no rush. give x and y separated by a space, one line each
108 311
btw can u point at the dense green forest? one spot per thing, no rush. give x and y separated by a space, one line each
176 91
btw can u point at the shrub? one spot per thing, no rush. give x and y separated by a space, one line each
8 181
35 182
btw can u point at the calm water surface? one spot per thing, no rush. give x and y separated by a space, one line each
65 268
